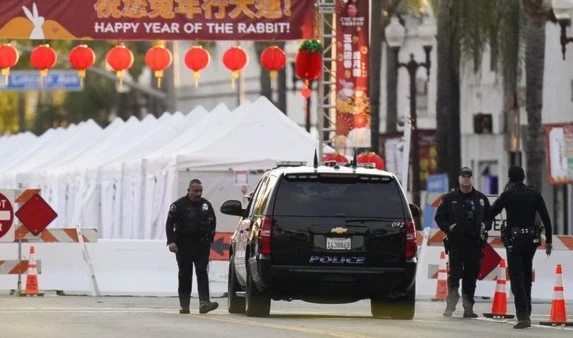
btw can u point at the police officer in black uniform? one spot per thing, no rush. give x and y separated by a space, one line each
461 215
190 230
521 238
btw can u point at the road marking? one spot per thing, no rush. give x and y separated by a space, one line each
285 327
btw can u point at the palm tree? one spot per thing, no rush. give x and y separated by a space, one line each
466 29
537 13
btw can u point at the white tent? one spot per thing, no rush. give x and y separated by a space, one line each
252 138
17 141
123 178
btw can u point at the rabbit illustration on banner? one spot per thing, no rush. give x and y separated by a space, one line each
37 21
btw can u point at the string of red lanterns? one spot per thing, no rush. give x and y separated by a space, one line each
158 58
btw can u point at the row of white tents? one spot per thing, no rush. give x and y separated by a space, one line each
122 178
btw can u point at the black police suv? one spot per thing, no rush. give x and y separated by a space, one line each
324 234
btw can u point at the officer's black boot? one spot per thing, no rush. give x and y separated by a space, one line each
184 301
468 308
522 324
207 306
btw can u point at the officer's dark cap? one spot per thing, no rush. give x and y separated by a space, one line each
465 171
516 173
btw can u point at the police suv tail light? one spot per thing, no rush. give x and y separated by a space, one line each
265 236
411 244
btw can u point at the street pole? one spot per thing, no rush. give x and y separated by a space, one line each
412 67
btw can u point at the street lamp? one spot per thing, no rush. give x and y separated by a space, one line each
395 34
562 10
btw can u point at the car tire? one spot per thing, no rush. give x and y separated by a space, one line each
400 308
258 303
235 304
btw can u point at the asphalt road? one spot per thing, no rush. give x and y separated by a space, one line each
138 317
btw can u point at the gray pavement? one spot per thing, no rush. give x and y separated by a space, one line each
131 317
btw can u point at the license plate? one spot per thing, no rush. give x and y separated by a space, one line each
338 243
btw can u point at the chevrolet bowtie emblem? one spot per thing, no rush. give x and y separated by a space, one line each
339 230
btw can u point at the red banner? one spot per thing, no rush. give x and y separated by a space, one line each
156 19
352 79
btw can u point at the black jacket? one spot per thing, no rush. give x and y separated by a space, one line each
190 221
521 203
467 211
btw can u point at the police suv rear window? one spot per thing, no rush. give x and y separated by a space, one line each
334 195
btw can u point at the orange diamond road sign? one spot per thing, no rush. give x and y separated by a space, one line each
36 214
220 246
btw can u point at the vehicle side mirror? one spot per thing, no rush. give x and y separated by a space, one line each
233 208
415 210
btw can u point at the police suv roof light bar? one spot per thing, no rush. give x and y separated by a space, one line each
291 163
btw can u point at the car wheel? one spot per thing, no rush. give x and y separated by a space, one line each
235 304
258 303
400 308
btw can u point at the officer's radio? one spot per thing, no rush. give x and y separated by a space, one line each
469 210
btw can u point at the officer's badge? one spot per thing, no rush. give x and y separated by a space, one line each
172 208
205 207
481 202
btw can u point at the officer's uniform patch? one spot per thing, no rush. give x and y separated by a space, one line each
172 208
481 202
205 207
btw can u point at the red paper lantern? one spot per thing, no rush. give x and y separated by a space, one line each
371 157
43 58
158 58
81 58
197 58
308 65
337 157
235 59
273 59
9 57
119 58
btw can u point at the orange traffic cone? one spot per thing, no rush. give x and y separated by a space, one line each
558 312
32 277
499 304
442 287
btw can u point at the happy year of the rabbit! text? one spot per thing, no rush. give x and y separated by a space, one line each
189 27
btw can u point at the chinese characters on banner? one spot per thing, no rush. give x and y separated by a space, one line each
156 19
352 79
559 143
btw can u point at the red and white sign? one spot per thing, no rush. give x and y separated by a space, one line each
6 216
36 214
